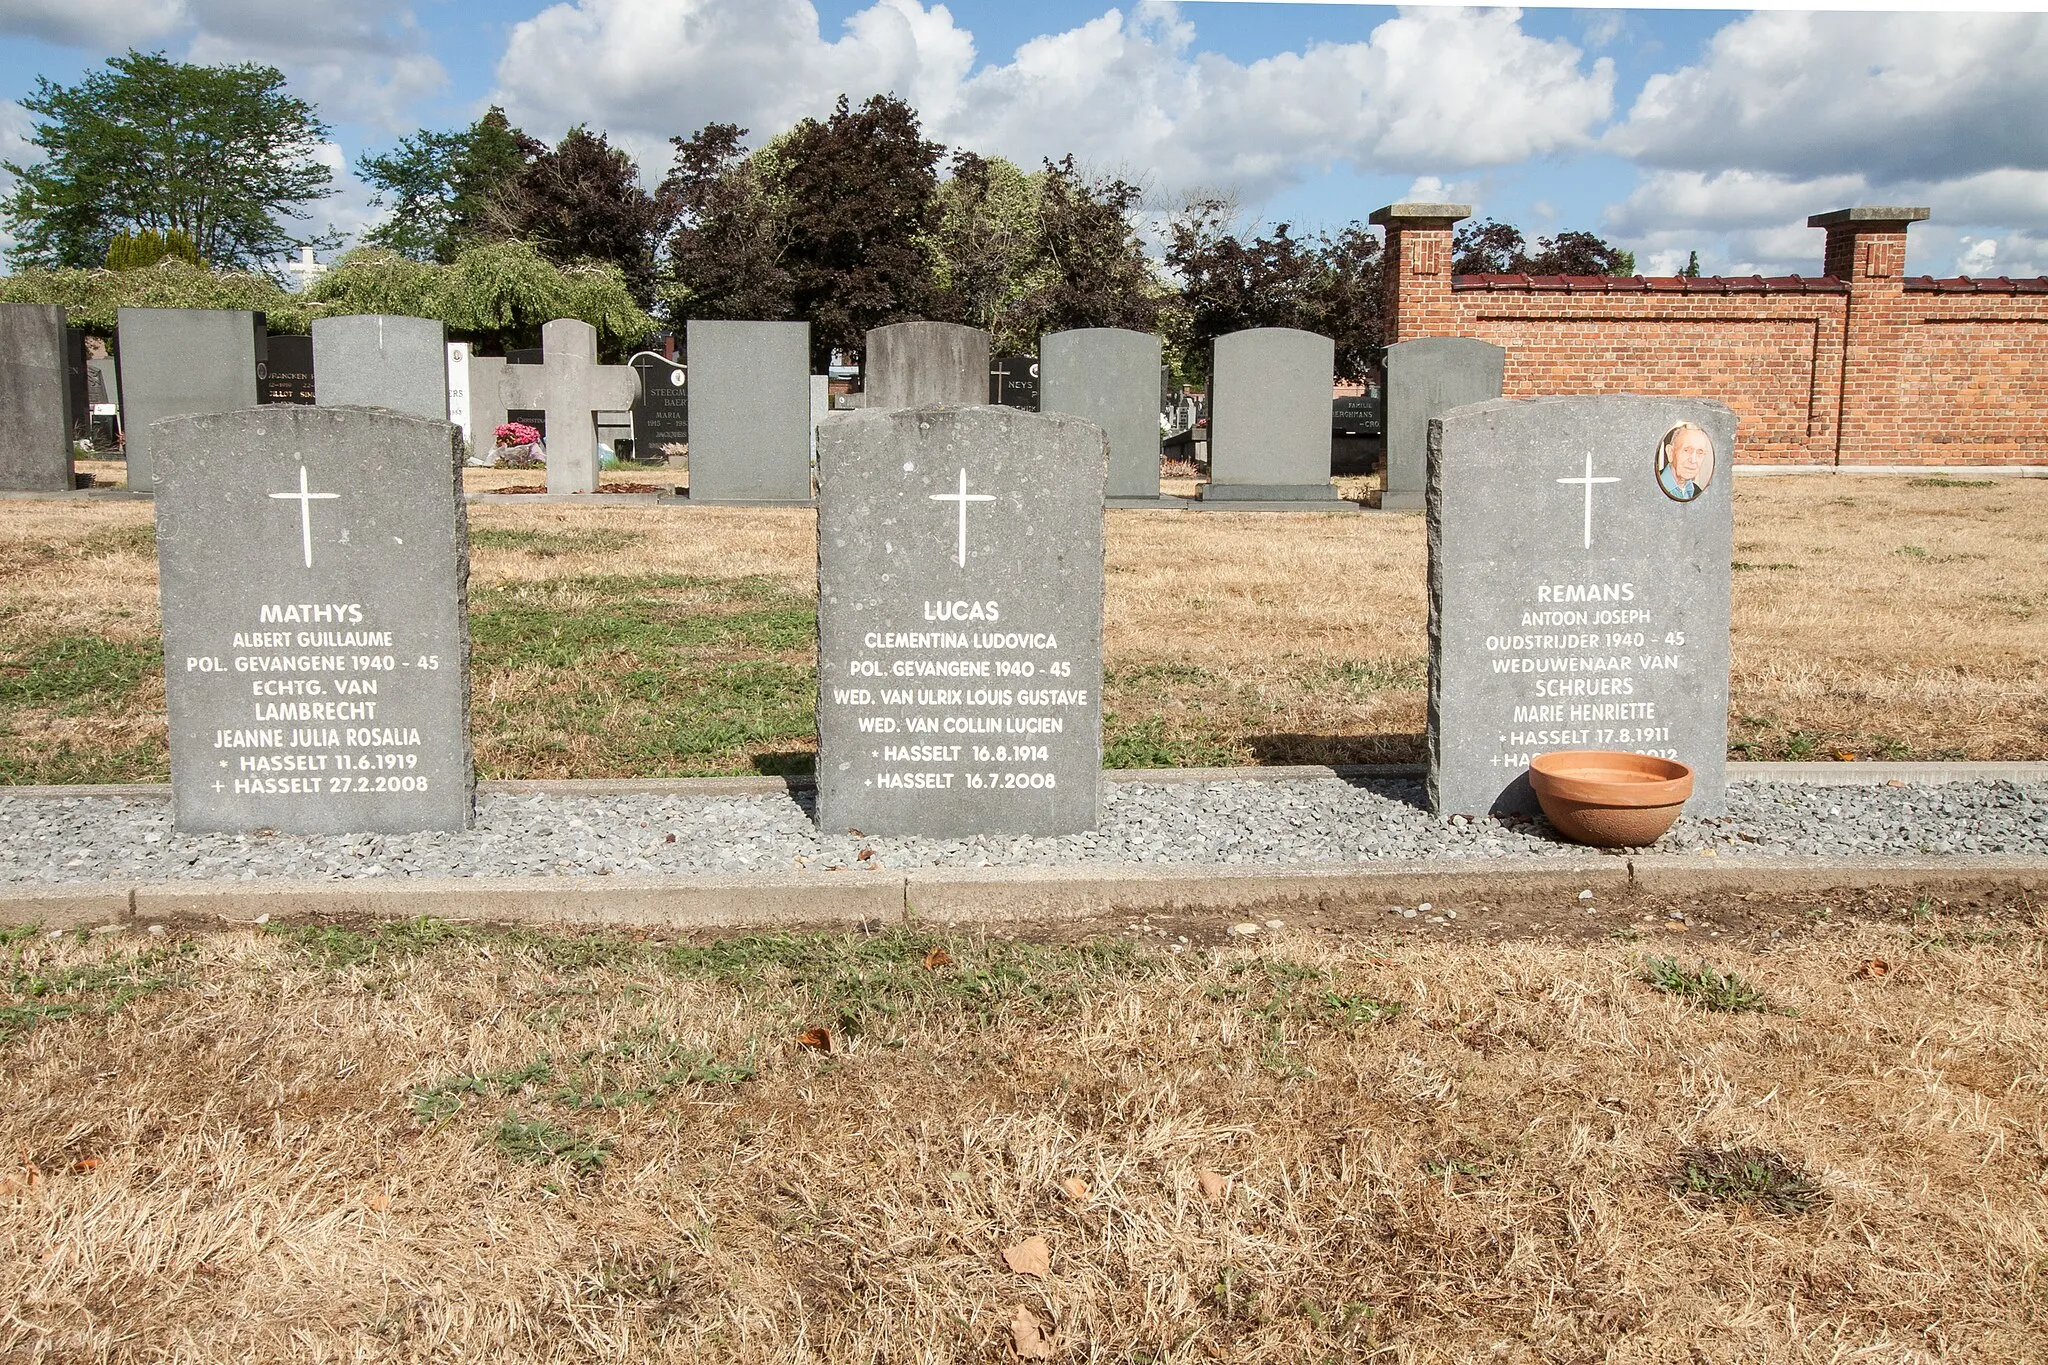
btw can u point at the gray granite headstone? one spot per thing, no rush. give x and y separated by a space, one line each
960 581
1425 379
176 361
574 388
1110 376
750 412
377 360
1573 602
915 364
1269 422
314 565
35 407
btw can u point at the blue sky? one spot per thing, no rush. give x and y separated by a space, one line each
1665 130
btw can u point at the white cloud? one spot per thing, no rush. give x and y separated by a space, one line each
108 24
1894 97
1428 91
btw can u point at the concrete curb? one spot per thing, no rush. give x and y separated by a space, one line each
966 896
1808 774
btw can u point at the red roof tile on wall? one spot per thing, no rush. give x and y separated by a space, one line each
1654 284
1927 284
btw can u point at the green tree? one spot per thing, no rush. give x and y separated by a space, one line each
987 249
134 250
92 298
443 187
581 201
860 190
219 153
725 257
1490 247
1091 269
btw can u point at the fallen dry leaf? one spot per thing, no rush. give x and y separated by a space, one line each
380 1203
1873 967
1214 1185
937 958
1075 1187
86 1164
1028 1337
816 1039
1032 1256
1844 756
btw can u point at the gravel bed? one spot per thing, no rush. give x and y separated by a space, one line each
1322 822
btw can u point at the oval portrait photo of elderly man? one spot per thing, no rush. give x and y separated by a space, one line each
1685 462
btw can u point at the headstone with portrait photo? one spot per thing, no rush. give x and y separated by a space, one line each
1579 584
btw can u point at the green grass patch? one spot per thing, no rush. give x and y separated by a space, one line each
541 1143
39 993
862 980
1147 743
1361 678
1751 1176
1943 481
336 948
550 544
1722 992
77 673
638 1069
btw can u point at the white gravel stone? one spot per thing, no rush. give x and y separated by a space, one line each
1316 822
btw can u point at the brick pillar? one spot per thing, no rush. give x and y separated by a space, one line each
1866 249
1415 272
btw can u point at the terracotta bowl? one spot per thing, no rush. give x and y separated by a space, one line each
1610 800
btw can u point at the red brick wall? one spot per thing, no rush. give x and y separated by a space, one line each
1861 366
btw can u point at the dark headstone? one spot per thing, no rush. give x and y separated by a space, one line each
525 355
77 384
176 361
960 581
35 405
314 564
1270 422
1425 379
1013 382
1574 602
663 417
285 374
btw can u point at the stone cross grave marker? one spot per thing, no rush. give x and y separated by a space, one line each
1269 423
176 361
1110 376
662 417
574 389
35 400
284 374
1426 379
380 360
960 581
917 364
750 412
1579 590
314 564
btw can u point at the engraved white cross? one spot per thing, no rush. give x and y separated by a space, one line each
1588 481
305 502
963 497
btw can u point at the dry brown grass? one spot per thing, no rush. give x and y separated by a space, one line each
236 1167
1872 616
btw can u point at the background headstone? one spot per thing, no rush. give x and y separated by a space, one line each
663 416
1110 376
77 384
314 564
750 406
177 361
1425 379
1573 603
284 374
381 360
1013 382
1269 421
960 581
821 408
460 412
575 388
917 364
35 403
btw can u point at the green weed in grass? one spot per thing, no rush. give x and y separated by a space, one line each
336 947
541 1143
1724 992
1146 744
39 994
1943 481
858 979
77 672
637 1069
1755 1176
